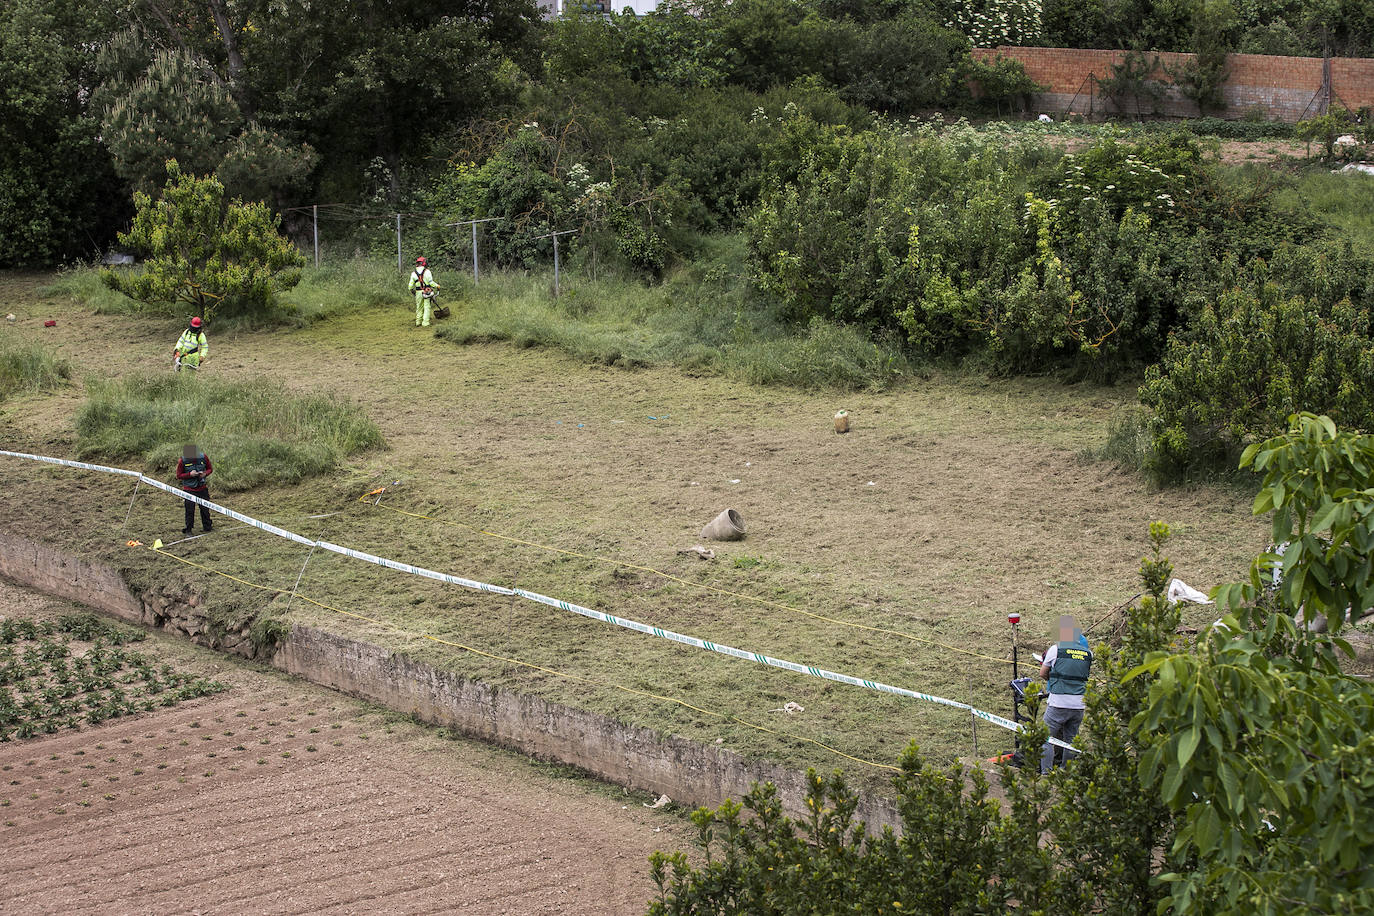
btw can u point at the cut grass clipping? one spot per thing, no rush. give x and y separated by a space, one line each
29 367
254 432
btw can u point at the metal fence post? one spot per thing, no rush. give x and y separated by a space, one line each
473 223
400 264
315 210
474 252
554 236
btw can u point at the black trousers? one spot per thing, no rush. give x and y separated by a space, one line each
191 512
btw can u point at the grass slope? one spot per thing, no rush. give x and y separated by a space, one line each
979 503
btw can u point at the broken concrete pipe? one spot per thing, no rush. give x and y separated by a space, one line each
842 421
728 526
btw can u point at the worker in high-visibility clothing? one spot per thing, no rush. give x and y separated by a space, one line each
423 285
191 348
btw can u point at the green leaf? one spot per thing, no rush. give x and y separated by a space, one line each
1187 744
1172 784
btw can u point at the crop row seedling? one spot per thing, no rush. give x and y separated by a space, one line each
45 686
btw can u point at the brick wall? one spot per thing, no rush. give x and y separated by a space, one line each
1282 88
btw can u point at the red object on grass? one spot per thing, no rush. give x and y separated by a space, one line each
1013 617
50 323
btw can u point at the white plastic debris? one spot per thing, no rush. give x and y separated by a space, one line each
1182 591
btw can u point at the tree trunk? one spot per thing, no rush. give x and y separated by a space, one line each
229 37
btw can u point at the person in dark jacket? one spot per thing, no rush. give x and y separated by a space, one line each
193 470
1065 669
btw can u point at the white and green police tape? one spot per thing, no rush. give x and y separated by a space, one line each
757 657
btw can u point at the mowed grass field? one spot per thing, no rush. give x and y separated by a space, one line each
954 500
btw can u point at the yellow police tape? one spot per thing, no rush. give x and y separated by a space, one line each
514 661
657 572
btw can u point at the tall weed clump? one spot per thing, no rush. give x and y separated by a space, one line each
702 318
29 367
255 432
339 287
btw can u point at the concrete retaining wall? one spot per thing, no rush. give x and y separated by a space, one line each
1281 88
629 755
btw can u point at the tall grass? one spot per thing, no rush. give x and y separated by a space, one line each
333 289
29 367
82 285
337 288
701 319
255 432
1343 201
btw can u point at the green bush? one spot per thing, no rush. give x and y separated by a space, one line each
29 367
1225 129
970 243
219 256
1246 364
254 432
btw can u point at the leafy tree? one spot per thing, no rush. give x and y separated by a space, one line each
59 198
1317 480
1201 79
1261 741
1325 129
673 46
221 256
174 110
1003 81
899 65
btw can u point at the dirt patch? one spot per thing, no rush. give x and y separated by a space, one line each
1260 152
276 797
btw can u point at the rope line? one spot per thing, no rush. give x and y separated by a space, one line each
701 585
530 665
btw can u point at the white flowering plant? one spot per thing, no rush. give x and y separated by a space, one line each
989 23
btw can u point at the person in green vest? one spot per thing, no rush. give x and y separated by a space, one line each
423 285
1064 669
191 348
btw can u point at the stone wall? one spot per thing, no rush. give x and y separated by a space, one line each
1281 88
688 772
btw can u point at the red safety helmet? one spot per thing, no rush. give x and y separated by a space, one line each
422 262
195 322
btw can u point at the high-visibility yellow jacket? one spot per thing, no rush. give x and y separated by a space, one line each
192 347
421 279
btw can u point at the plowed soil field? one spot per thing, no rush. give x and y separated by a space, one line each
278 797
